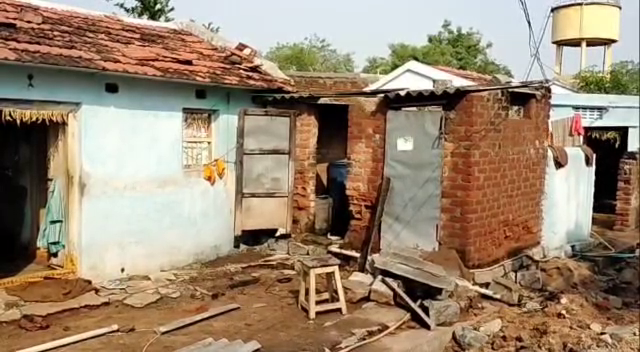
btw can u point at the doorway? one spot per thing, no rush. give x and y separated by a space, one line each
609 145
332 204
32 163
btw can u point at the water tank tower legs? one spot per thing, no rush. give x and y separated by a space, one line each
608 58
583 55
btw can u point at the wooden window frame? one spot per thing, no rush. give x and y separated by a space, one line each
211 139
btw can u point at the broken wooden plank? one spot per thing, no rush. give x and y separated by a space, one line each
412 304
71 339
197 346
180 323
373 229
425 277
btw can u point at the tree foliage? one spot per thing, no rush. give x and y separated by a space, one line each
623 78
155 10
313 54
452 47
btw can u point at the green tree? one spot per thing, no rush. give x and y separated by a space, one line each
313 54
453 47
623 78
155 10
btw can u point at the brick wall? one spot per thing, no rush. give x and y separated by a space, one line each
627 196
305 169
493 175
315 82
365 150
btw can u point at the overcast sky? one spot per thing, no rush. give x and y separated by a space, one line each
365 27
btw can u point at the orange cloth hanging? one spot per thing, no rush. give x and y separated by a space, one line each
576 126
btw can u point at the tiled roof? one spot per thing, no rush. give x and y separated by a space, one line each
43 35
478 78
324 82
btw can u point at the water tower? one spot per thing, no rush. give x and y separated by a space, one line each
585 23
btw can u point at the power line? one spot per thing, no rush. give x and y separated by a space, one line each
533 46
542 32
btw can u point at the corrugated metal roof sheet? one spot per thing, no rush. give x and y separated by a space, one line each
320 95
525 87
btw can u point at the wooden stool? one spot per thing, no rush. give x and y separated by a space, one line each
309 269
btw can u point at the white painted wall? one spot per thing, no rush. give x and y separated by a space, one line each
568 202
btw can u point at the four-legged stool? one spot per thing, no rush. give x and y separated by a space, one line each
308 270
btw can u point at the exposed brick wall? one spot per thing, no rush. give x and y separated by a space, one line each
493 176
365 150
628 194
305 169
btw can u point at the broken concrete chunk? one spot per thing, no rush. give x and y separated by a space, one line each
117 298
141 299
530 279
169 292
607 339
10 315
42 309
596 327
317 251
356 290
487 276
490 328
297 249
362 277
115 284
162 278
443 312
620 333
469 339
140 286
380 292
532 307
506 290
279 246
629 276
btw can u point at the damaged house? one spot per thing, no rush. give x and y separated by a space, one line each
107 127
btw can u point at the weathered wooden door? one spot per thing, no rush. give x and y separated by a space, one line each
265 170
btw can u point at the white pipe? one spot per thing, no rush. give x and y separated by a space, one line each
71 339
337 250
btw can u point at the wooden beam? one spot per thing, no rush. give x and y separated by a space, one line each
373 229
412 304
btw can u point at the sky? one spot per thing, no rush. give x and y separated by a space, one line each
366 27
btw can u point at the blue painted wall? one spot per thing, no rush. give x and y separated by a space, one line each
140 212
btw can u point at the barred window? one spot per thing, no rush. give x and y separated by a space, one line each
197 138
589 113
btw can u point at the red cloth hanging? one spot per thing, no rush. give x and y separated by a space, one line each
576 126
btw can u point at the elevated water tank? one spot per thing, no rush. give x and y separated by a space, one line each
585 23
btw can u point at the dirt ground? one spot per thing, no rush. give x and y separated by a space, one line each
275 321
270 315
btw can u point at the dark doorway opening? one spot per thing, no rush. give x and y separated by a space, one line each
609 145
332 204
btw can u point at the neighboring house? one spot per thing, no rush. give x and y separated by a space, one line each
122 115
416 75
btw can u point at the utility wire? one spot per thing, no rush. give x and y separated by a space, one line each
542 32
533 47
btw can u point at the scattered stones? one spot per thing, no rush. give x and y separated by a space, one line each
137 286
443 312
142 299
491 328
169 292
619 333
10 315
487 276
507 290
629 276
608 301
596 327
279 246
361 277
532 307
563 300
42 309
33 323
348 342
297 249
606 338
243 281
469 339
530 279
317 251
162 278
381 293
356 291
